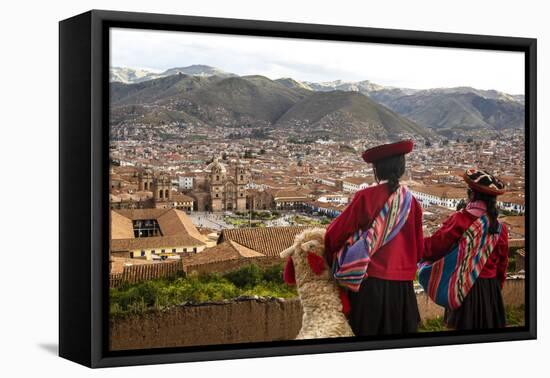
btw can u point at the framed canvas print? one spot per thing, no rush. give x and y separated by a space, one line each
235 188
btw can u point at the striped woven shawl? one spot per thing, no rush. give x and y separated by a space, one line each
448 280
351 261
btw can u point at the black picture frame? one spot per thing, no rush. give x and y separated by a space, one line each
83 181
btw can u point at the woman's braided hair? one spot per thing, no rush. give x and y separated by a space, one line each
391 169
492 208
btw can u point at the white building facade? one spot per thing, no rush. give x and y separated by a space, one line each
427 200
185 182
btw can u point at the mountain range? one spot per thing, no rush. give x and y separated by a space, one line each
210 95
132 75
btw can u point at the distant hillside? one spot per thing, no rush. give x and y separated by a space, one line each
460 108
291 83
463 109
132 76
255 101
364 86
198 70
157 89
249 100
220 98
254 98
146 115
345 112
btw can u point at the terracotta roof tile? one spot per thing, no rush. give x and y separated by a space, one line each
138 214
221 252
176 227
181 198
358 180
121 227
269 241
166 242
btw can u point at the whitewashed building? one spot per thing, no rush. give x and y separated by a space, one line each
334 198
185 182
438 195
354 184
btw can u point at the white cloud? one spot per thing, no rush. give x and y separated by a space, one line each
313 60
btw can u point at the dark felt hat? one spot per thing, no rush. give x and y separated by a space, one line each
483 182
387 150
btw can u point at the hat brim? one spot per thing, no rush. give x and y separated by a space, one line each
388 150
482 188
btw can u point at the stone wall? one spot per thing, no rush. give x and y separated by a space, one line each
238 321
249 320
513 294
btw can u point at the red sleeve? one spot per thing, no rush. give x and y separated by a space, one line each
419 231
345 224
437 245
502 250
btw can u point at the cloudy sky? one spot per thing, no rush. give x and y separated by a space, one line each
318 61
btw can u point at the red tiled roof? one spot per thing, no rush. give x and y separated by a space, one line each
225 251
155 242
177 230
269 241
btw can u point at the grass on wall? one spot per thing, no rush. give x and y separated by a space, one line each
197 288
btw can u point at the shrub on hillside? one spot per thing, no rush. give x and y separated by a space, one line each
274 274
246 276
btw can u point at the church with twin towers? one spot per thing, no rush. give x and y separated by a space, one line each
227 189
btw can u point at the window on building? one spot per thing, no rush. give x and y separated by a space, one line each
185 250
132 255
173 250
195 249
162 251
143 253
217 178
146 227
166 194
161 193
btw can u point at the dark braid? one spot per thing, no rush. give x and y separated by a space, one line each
390 169
492 209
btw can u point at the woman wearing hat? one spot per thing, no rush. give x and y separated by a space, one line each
374 246
482 306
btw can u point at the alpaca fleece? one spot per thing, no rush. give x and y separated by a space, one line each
318 292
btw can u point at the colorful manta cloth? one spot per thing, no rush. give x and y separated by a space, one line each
352 260
448 280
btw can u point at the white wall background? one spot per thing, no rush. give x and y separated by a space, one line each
29 186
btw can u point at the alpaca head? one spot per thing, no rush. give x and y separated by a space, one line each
306 257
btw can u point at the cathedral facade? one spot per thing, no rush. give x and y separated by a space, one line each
226 188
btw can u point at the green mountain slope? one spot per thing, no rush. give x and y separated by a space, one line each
344 112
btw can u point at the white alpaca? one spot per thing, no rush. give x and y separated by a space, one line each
318 292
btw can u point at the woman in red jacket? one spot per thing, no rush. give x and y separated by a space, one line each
385 302
482 307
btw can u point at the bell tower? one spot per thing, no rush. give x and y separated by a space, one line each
162 193
217 185
145 181
242 178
